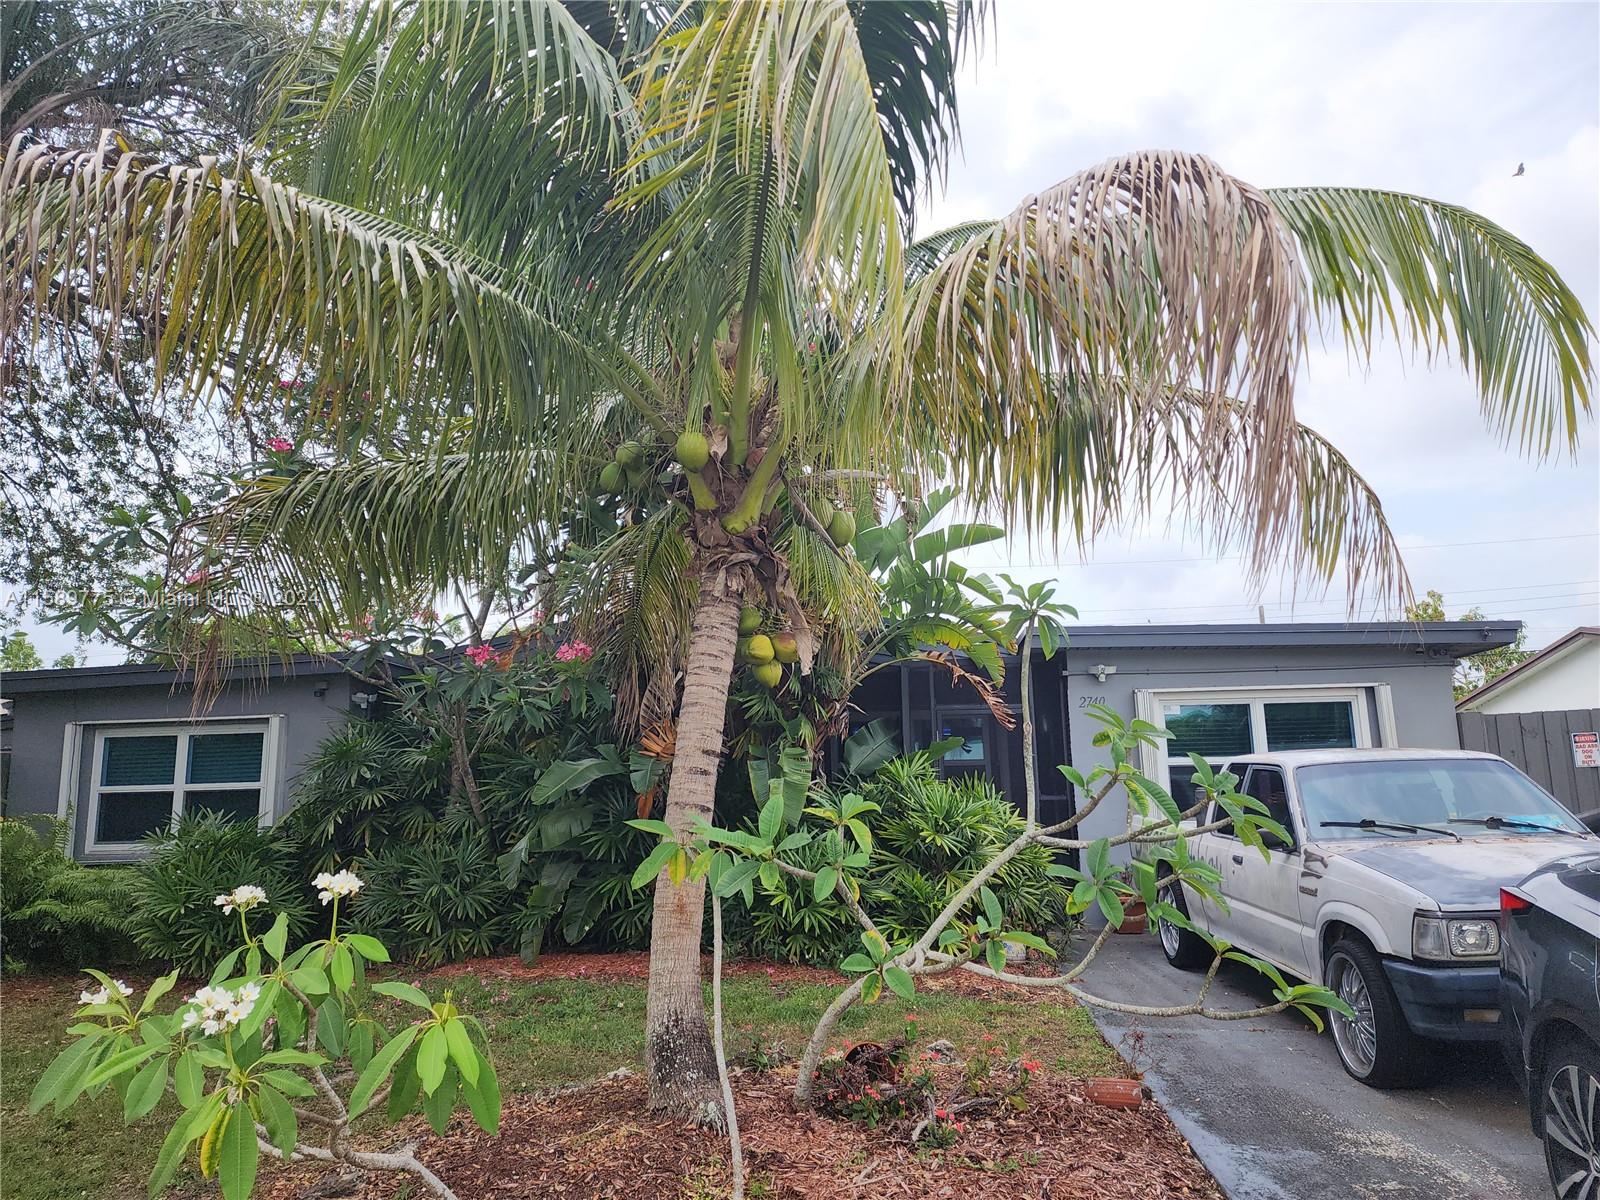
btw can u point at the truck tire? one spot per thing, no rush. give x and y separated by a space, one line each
1184 948
1569 1116
1378 1047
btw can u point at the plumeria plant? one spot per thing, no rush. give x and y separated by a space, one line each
970 932
277 1054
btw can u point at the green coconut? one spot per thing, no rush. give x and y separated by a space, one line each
693 451
822 509
610 479
749 619
768 674
785 648
630 454
638 476
842 529
759 649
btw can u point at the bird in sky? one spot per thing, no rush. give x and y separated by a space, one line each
1521 170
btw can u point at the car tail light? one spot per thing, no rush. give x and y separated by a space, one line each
1511 903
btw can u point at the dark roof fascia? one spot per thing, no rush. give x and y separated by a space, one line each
1455 638
74 679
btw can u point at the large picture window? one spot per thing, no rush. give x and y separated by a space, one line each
145 776
1230 722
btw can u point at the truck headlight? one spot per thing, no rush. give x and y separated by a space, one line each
1446 939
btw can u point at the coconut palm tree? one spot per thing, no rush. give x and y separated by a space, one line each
483 251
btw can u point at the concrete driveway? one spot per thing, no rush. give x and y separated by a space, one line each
1268 1109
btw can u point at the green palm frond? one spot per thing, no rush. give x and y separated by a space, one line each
913 50
234 278
397 528
1443 278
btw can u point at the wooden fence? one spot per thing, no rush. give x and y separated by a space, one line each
1540 744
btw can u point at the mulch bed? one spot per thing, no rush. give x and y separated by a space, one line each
602 1142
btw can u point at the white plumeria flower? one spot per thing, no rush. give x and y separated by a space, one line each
250 992
98 996
122 987
191 1018
336 886
211 1028
244 897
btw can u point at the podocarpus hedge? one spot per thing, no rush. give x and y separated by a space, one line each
257 1057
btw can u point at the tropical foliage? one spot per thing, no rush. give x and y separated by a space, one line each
504 255
54 910
172 917
279 1053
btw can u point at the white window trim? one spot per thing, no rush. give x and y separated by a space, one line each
270 727
1156 764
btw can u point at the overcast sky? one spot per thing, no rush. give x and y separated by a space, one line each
1438 99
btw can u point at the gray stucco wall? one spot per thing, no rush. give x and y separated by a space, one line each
1419 687
40 720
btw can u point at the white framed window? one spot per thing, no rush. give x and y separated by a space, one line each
144 776
1221 724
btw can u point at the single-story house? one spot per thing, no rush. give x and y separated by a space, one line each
1564 675
117 748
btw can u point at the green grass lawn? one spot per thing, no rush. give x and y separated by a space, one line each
545 1032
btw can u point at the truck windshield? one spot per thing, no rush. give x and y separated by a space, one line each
1463 794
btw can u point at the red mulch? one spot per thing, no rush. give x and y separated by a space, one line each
601 1142
634 967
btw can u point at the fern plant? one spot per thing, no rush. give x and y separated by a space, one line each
55 910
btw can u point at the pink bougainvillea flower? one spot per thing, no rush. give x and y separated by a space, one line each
279 445
480 654
574 651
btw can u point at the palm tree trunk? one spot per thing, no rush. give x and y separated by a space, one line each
682 1063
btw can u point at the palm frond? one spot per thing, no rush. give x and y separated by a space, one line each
1443 278
1157 268
240 281
913 51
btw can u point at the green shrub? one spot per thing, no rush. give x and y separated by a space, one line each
176 918
544 854
931 835
55 910
934 834
367 784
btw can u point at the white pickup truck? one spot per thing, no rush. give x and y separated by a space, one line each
1388 894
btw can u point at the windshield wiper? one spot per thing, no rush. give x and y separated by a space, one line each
1513 823
1369 823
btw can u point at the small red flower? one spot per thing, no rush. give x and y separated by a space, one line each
480 655
279 445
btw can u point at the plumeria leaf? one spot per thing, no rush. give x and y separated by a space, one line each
144 1090
995 953
277 1114
900 982
405 991
188 1079
157 990
822 887
858 963
239 1157
378 1069
652 864
462 1052
276 938
370 948
483 1098
659 828
432 1056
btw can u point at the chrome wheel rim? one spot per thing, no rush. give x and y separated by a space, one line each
1356 1037
1168 931
1571 1145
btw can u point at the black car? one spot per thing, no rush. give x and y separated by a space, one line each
1550 987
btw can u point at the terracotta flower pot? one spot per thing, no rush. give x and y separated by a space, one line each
1134 918
1115 1093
